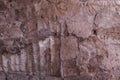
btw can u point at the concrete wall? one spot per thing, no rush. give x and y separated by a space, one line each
59 39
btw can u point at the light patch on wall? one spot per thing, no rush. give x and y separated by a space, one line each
43 45
5 63
118 2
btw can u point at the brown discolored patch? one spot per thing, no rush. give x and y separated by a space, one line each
3 7
51 9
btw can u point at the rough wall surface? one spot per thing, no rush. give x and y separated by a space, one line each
59 39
